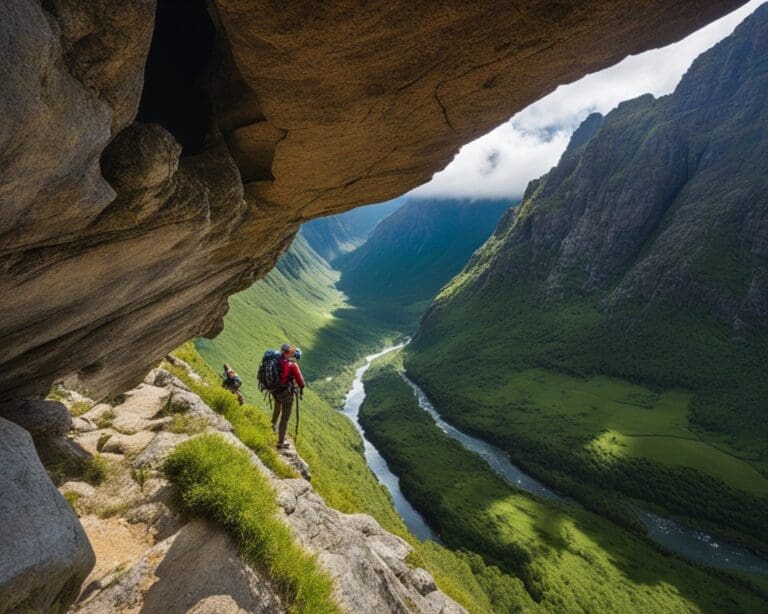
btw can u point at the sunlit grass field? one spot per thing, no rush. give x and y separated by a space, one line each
567 558
616 415
599 405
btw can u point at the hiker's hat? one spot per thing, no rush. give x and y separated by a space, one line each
286 347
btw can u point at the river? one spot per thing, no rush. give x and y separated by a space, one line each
686 541
354 399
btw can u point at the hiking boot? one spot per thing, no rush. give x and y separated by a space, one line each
283 446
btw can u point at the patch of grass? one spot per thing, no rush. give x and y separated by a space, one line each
185 423
549 555
72 498
218 481
78 408
118 509
173 408
106 418
96 469
141 475
56 394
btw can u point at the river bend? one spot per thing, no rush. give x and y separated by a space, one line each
354 399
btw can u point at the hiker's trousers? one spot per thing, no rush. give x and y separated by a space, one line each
283 407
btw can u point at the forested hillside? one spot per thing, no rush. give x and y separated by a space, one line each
622 309
335 235
412 253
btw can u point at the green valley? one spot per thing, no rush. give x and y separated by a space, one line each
568 559
412 253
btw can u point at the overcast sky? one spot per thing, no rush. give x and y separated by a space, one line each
501 163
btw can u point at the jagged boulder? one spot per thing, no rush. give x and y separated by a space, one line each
45 552
141 409
366 562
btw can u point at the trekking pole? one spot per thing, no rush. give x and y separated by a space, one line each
296 434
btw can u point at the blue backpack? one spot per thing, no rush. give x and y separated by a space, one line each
269 374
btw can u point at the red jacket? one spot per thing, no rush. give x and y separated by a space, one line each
290 371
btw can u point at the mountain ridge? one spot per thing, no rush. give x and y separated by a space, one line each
335 235
641 257
413 252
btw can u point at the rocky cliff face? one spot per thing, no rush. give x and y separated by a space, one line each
642 254
133 203
661 200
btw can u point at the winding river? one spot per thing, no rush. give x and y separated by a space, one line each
354 399
686 541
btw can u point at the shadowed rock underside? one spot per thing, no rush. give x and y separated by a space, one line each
133 205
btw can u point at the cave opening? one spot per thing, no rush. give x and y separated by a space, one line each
175 94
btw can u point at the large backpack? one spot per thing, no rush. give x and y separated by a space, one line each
233 383
270 372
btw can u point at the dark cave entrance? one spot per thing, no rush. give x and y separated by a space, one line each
175 95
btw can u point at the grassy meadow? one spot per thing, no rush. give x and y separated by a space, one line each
597 405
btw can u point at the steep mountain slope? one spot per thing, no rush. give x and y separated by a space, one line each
335 235
414 252
642 256
296 302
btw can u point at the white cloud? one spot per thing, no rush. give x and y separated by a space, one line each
501 163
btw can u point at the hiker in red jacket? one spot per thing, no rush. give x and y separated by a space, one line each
291 382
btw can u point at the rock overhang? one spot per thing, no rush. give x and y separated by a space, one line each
306 112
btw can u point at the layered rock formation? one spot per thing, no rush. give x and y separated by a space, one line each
120 238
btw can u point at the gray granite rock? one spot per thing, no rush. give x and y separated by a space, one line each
41 418
197 569
51 553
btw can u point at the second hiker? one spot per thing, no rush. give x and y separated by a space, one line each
291 382
232 382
